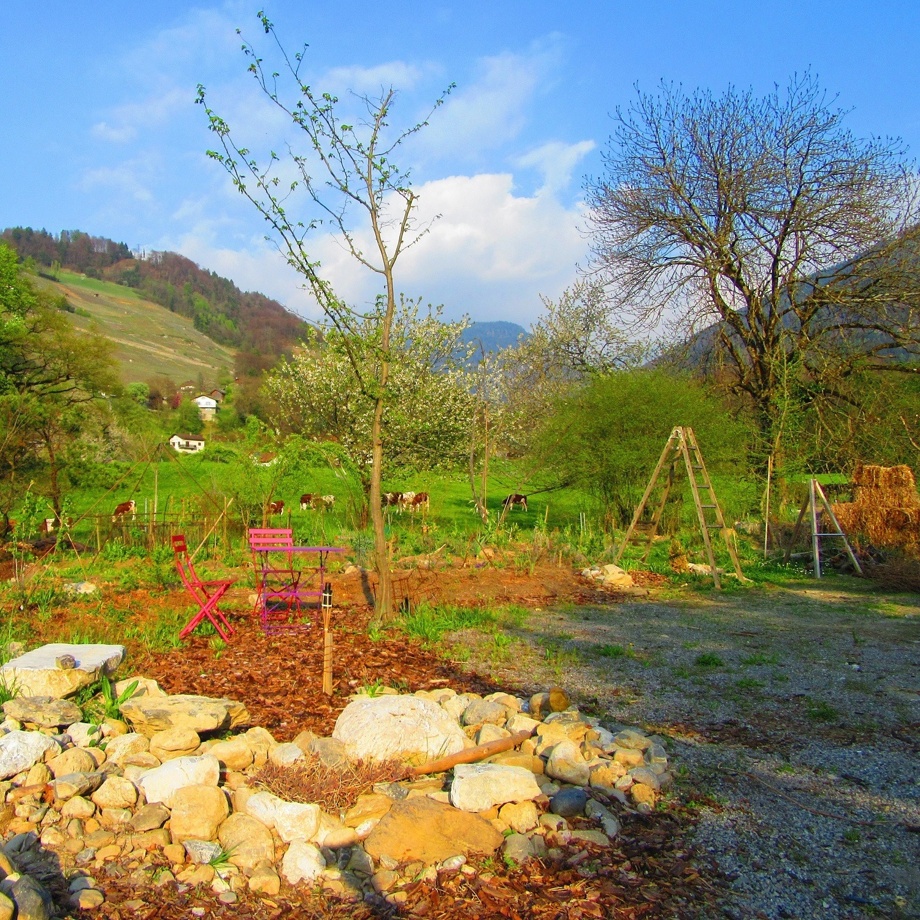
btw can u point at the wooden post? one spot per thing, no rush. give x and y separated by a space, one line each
327 639
766 513
815 539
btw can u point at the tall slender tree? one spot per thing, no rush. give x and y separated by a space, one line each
342 175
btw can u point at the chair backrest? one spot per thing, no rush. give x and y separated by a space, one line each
184 564
269 538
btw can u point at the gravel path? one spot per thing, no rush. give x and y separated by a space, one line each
793 715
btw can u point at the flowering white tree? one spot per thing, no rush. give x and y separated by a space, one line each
428 406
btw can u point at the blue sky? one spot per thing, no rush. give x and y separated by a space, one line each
100 132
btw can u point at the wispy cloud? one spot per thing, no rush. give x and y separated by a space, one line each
494 108
556 162
370 80
128 180
126 122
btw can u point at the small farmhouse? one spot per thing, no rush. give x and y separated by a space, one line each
207 407
186 443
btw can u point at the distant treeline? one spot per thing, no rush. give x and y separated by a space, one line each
260 328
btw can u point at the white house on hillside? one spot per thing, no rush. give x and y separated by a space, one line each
207 406
186 443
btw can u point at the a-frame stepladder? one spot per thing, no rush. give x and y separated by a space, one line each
682 445
816 495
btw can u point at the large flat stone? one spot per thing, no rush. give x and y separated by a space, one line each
36 673
405 728
430 832
201 714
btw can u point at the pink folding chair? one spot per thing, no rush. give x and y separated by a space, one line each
279 595
207 594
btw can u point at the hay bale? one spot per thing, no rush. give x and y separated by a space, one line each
885 507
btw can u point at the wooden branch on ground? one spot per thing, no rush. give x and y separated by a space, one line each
473 754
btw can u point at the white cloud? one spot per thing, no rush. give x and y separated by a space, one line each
115 134
370 80
152 112
493 109
490 255
556 162
122 181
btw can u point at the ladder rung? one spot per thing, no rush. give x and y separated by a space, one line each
708 506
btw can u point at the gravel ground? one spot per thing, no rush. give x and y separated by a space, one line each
793 716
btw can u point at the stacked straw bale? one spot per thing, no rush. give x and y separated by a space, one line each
885 507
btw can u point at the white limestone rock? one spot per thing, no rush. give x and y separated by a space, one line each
21 750
480 786
161 783
398 727
290 820
302 862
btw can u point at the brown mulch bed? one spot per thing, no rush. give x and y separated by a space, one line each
648 874
279 677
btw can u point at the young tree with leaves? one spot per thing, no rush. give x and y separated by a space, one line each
344 176
768 221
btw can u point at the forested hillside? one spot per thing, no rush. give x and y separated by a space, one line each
260 329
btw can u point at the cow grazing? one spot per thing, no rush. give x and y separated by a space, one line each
515 500
306 501
327 502
276 507
419 502
405 501
392 499
47 525
124 509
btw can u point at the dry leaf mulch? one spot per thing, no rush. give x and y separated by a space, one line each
279 676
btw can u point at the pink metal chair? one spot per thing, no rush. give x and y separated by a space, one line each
207 594
278 592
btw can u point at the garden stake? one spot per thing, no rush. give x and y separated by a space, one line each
327 639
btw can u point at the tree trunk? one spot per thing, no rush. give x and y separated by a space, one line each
383 604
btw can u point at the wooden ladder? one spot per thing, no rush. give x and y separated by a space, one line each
681 445
816 495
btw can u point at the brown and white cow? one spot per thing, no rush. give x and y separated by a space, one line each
392 499
419 502
405 501
515 500
327 501
276 507
307 500
124 509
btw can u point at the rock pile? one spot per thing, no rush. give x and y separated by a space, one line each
168 795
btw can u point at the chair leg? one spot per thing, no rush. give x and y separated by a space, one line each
210 611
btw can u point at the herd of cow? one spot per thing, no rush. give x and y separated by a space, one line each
402 501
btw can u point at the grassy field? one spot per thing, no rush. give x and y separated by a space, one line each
149 340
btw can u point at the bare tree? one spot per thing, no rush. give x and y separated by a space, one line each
344 177
768 221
